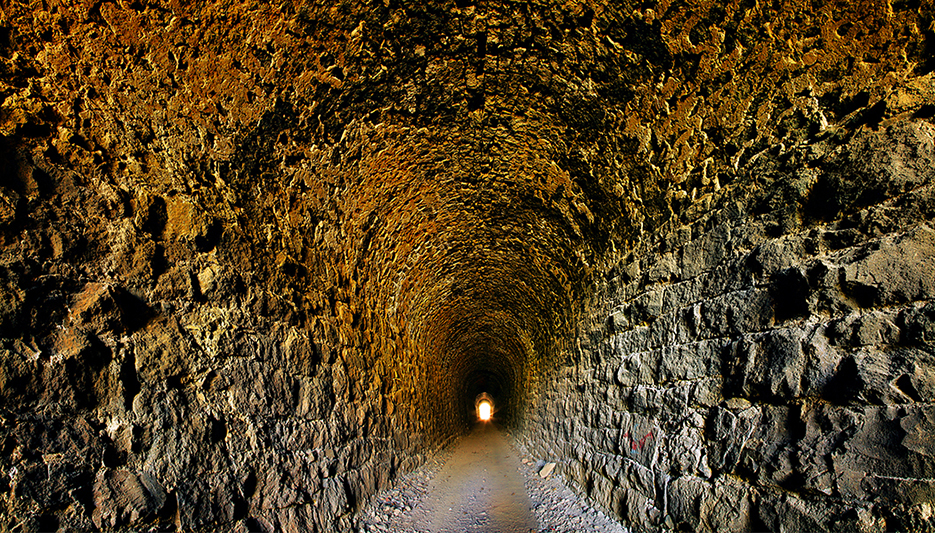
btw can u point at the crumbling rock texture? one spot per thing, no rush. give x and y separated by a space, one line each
256 259
746 369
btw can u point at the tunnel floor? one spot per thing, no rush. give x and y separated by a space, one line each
482 483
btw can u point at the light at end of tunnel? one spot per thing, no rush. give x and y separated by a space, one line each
483 410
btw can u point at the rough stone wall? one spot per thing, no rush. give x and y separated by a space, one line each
767 361
256 258
759 358
183 344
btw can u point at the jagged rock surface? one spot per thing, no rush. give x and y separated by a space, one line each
754 368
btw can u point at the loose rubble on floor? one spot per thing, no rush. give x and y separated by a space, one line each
556 507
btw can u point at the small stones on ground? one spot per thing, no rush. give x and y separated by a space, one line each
555 506
546 470
395 509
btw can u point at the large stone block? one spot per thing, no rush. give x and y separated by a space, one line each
163 350
122 497
768 365
894 270
705 253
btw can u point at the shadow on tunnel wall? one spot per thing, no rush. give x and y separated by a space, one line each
758 367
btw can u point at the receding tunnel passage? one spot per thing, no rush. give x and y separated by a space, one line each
259 260
489 329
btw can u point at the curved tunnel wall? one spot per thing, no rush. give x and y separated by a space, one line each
771 368
255 257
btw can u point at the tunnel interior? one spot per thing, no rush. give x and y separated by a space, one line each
476 274
485 386
258 260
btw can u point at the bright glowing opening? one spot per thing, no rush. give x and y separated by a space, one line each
483 410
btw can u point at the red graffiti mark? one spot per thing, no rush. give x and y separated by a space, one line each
637 445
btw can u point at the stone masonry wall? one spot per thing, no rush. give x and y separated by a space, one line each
182 343
767 361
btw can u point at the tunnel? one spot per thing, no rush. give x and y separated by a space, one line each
258 261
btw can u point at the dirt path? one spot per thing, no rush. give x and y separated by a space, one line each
480 485
480 488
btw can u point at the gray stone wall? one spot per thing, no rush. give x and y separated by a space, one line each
767 360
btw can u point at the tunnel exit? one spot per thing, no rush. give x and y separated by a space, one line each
483 411
483 406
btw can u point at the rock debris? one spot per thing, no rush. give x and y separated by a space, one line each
556 507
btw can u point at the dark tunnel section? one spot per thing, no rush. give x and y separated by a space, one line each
495 366
489 373
485 300
484 381
481 355
489 330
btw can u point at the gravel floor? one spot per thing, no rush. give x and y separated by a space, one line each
398 509
554 505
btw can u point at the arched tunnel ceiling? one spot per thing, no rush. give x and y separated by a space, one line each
445 172
427 190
